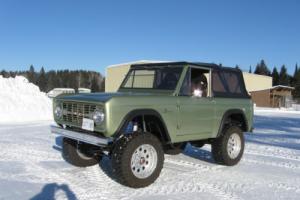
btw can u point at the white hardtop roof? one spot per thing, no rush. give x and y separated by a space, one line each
137 62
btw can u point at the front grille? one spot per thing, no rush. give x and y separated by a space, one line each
74 112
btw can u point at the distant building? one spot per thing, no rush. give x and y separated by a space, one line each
116 73
84 90
256 82
277 96
57 91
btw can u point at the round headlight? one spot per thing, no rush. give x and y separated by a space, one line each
58 112
98 116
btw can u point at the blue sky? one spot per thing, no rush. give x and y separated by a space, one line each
91 35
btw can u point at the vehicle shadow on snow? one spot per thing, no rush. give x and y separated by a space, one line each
105 165
191 151
58 143
276 131
198 153
48 192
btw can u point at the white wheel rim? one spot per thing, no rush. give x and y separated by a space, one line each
234 146
143 161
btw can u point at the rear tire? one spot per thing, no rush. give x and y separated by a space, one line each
137 159
228 149
73 154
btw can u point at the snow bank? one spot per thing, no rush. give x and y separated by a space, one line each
21 101
258 110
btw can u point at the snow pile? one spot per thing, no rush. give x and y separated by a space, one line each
291 110
22 101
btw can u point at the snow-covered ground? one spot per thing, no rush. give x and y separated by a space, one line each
31 167
22 101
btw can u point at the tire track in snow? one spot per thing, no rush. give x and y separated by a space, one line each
286 165
193 185
281 156
196 166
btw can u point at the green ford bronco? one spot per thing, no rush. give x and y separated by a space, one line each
158 109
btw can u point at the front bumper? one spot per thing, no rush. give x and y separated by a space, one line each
82 137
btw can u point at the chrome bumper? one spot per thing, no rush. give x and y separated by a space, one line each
82 137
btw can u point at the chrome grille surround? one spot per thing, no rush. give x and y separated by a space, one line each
74 112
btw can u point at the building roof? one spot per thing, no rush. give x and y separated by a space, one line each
282 86
277 87
136 62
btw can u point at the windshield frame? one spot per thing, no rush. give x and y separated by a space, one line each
133 68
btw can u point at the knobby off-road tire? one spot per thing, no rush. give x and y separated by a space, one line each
177 149
228 149
137 159
73 155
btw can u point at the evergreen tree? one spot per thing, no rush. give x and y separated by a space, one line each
275 76
95 85
102 85
283 76
47 81
262 69
52 80
296 70
293 78
296 91
250 69
31 75
84 79
42 80
237 67
5 74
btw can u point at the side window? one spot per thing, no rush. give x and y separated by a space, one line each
218 84
196 83
143 79
232 82
227 83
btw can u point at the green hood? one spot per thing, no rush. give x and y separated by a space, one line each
99 97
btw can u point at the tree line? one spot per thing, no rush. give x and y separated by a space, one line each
49 80
46 81
279 77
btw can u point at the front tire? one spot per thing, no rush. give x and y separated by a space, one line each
137 159
76 155
228 149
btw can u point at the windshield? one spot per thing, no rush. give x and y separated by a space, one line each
160 78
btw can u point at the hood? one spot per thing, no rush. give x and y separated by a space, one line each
95 97
98 97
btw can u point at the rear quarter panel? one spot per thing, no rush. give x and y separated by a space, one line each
224 104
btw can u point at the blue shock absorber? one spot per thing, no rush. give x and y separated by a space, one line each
129 128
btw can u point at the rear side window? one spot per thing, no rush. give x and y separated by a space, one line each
228 84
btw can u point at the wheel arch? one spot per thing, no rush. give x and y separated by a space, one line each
148 114
233 116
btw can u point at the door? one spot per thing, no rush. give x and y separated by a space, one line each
196 107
